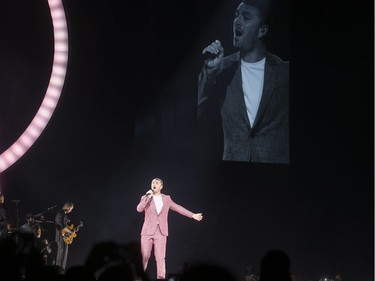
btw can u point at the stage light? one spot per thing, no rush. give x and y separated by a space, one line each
53 92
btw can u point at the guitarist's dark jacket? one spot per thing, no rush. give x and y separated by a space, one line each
61 221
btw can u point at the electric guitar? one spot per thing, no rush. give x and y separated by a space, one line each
69 232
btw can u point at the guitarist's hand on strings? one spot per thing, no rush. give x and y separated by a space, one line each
67 230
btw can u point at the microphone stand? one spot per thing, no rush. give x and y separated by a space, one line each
43 220
17 202
42 213
49 244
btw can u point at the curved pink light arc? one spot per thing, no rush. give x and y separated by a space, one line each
53 92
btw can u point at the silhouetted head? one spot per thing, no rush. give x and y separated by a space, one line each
207 272
275 266
109 260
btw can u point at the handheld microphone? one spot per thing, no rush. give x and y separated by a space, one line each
209 56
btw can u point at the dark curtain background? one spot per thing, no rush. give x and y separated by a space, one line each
127 114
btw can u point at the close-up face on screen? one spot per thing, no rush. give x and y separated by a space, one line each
243 85
223 84
186 140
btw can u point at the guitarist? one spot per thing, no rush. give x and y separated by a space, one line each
5 222
61 222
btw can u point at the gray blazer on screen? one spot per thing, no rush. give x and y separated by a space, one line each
221 92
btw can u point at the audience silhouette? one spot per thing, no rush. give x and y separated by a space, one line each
112 261
20 260
207 272
275 266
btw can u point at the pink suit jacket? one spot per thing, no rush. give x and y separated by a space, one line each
153 219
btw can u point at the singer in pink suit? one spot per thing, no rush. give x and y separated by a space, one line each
154 232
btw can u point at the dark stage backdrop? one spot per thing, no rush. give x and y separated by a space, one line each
127 114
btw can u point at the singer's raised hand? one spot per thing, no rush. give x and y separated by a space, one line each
214 53
197 216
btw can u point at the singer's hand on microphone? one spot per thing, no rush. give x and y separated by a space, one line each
214 54
149 193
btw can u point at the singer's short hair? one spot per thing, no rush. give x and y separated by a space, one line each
264 6
159 179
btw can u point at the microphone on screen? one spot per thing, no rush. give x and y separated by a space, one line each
209 56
